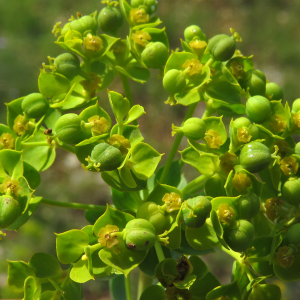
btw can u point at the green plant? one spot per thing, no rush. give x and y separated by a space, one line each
156 211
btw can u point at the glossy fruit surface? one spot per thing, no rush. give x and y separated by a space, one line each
194 128
249 206
174 81
150 5
221 47
67 64
293 235
258 109
84 25
155 55
110 19
255 82
35 105
192 32
290 191
9 211
274 91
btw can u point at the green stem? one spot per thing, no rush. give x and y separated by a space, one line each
235 255
175 146
64 146
128 287
145 194
126 88
74 205
36 144
258 259
159 251
144 282
196 185
210 62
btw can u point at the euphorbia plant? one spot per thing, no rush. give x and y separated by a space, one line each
245 200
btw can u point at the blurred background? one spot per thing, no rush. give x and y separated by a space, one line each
271 33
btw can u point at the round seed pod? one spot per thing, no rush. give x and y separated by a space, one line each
174 81
110 19
193 31
84 25
296 106
258 109
274 90
149 5
249 206
9 211
35 105
155 55
293 235
256 82
221 47
194 128
290 191
67 64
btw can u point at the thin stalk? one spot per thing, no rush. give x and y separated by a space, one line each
235 255
175 146
144 282
196 185
64 146
73 205
128 287
126 87
159 252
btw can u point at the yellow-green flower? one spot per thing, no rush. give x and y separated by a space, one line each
172 201
241 182
120 142
296 119
243 135
237 69
141 38
278 124
21 125
93 84
192 67
227 162
198 46
10 184
93 43
271 207
289 165
6 141
107 237
284 256
100 125
213 139
225 213
138 15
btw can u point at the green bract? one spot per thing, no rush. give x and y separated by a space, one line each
255 157
35 105
155 55
9 211
139 235
290 191
296 106
110 19
274 91
265 292
249 206
195 211
255 81
68 129
192 32
174 81
239 237
258 109
151 212
84 25
67 64
221 47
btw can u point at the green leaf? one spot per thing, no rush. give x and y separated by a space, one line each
202 238
136 73
158 35
153 22
89 231
11 162
188 98
112 217
14 108
124 201
262 225
18 271
24 195
72 290
231 290
277 240
117 288
199 266
50 295
45 265
29 288
32 175
119 105
125 8
174 174
268 132
156 292
51 118
186 283
80 272
216 124
202 286
177 59
125 261
92 215
51 85
231 201
291 273
130 132
70 245
134 113
218 227
100 269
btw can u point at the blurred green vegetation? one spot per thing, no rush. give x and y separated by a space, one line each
270 30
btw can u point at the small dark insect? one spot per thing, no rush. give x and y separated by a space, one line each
131 246
48 131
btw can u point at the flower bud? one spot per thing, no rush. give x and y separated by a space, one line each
139 235
239 237
155 55
193 128
274 91
256 82
84 25
68 129
290 191
67 64
9 211
174 81
35 105
258 109
110 19
221 47
249 206
192 32
195 211
255 156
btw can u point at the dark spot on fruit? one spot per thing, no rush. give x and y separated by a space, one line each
147 242
131 246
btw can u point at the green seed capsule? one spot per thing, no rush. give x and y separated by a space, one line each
192 32
256 82
84 25
151 212
174 81
265 292
258 109
296 106
196 211
139 235
110 19
194 128
274 90
297 148
255 157
241 122
109 157
9 211
249 206
68 129
240 237
290 191
155 55
150 5
221 47
293 235
67 64
35 105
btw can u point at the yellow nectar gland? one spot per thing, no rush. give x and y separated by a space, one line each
172 201
6 141
225 213
93 84
278 124
192 67
289 165
20 125
243 135
93 43
107 237
141 38
100 125
284 256
271 207
198 46
237 69
213 139
241 182
10 184
120 142
296 119
138 15
227 162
